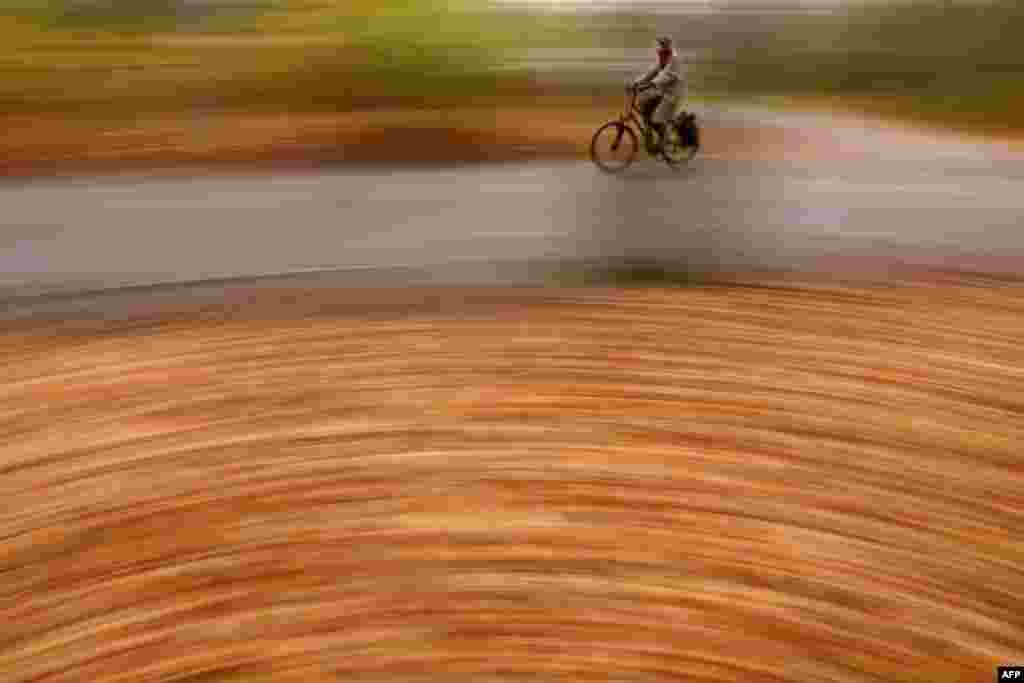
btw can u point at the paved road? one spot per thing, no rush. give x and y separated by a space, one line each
864 192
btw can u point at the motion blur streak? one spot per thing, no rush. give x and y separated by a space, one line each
718 484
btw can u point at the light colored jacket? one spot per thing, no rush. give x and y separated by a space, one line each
670 80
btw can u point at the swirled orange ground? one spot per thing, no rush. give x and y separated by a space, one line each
711 484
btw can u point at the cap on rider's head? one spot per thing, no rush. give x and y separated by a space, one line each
664 43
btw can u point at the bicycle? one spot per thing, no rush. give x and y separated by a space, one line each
682 144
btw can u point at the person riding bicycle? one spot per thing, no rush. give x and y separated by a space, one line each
661 103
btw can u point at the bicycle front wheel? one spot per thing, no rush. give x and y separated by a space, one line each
614 147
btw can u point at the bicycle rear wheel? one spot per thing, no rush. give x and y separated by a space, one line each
614 147
676 153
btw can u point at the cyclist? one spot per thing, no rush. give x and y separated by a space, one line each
661 103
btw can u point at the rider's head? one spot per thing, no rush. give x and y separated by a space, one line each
664 47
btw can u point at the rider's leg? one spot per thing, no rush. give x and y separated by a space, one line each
659 128
649 105
678 111
662 116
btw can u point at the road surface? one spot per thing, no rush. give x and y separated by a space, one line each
833 194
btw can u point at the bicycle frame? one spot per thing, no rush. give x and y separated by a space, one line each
632 113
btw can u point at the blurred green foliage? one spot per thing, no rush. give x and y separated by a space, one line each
939 60
87 56
936 60
110 15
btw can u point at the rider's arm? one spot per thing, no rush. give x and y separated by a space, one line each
647 77
667 76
